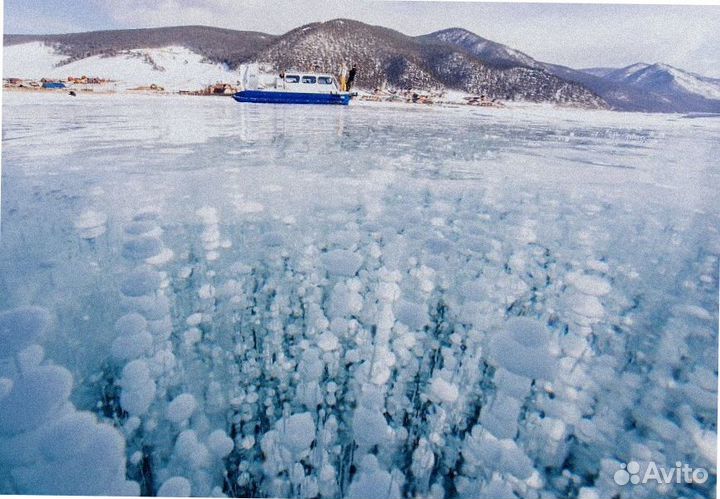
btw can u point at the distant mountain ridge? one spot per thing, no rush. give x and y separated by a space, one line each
384 56
219 45
630 88
453 59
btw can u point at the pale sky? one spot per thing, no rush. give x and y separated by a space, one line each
576 35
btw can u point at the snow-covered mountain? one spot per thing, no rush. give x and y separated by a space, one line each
616 74
667 80
665 87
383 56
192 57
173 68
487 50
638 87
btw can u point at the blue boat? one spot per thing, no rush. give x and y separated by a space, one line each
297 88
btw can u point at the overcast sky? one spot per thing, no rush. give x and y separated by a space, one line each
577 35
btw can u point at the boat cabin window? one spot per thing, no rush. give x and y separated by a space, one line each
325 80
292 78
309 79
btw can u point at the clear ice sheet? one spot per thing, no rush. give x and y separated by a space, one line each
318 301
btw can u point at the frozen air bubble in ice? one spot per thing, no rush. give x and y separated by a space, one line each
194 319
145 227
220 444
93 464
208 215
181 408
146 214
296 432
176 486
64 437
141 282
153 308
443 391
372 482
522 348
34 398
188 448
142 247
30 357
589 284
369 427
91 224
130 324
586 306
412 315
341 262
19 327
165 256
328 342
129 347
138 389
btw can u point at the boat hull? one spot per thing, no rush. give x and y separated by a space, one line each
265 97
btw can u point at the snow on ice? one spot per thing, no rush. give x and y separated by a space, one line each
373 301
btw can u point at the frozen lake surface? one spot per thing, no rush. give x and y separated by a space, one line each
201 297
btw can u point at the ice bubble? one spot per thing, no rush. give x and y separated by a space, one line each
176 486
130 324
443 391
147 228
64 437
693 311
92 232
589 284
136 457
138 389
522 348
373 483
81 457
296 432
149 213
128 347
482 450
412 315
341 262
344 301
34 398
188 448
220 444
30 357
500 416
142 247
194 319
141 282
208 215
153 308
588 493
206 292
91 224
243 206
192 336
20 327
586 306
165 256
369 427
328 342
181 408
